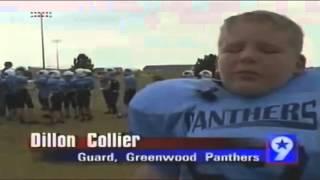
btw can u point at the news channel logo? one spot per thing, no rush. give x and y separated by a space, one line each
282 149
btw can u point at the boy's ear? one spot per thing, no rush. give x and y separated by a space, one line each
301 64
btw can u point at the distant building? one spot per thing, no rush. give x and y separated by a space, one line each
99 71
168 70
118 69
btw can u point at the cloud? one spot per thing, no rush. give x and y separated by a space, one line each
134 34
128 6
311 6
89 39
25 45
188 13
46 5
133 47
20 43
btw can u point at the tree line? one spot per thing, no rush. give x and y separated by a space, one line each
208 62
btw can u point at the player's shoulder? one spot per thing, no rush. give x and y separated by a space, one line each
313 74
21 77
169 94
53 81
43 79
306 81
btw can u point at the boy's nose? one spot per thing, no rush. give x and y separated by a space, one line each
248 55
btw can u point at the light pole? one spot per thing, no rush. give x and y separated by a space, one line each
57 41
41 15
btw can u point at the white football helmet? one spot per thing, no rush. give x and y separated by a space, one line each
9 72
80 72
55 74
43 72
187 73
68 73
87 71
205 74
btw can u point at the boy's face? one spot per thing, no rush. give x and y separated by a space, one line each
255 58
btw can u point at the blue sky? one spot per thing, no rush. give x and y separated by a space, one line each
133 34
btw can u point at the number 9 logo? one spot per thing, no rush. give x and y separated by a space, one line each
282 145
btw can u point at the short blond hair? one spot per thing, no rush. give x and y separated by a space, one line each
279 21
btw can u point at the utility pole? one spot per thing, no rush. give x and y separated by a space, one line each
41 15
57 41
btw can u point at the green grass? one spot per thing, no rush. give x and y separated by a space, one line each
17 161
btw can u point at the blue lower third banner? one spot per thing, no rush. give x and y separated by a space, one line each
132 156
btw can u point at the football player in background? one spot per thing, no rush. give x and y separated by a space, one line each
130 89
113 93
69 95
104 86
24 95
56 86
14 98
205 74
264 90
83 85
3 89
43 90
187 74
2 97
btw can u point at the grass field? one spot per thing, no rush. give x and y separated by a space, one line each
18 162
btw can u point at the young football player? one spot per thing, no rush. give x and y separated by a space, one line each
264 90
130 88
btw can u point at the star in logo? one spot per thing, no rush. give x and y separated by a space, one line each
282 144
